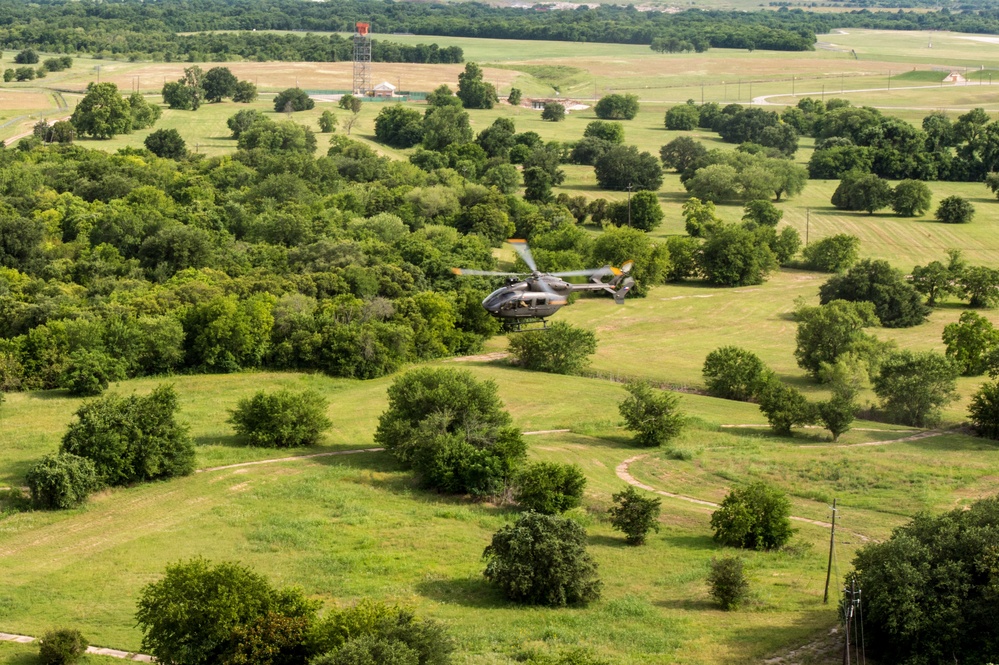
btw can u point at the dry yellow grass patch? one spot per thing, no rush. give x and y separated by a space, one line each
18 100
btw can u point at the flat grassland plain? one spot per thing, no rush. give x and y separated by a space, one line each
352 526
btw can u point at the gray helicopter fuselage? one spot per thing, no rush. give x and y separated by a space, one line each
524 299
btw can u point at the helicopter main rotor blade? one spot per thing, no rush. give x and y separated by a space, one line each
589 272
520 246
468 271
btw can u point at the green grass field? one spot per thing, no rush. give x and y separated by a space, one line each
354 526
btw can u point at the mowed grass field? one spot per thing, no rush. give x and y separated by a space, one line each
356 526
346 527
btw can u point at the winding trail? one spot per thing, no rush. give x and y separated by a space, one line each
764 100
97 651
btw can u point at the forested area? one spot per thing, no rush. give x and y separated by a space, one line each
150 30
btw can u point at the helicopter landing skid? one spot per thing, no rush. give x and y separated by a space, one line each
525 324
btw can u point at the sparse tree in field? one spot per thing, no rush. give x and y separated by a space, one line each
144 114
934 280
624 166
681 153
762 213
635 515
166 143
955 210
733 373
755 517
553 112
969 342
560 349
242 120
682 117
26 57
828 331
612 132
911 198
617 107
327 122
542 560
789 179
727 582
549 487
862 191
219 83
513 99
913 386
980 285
102 113
784 406
296 99
473 91
244 92
8 75
653 415
930 571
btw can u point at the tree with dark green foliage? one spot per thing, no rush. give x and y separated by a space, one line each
682 117
451 430
473 91
370 650
399 126
642 212
559 349
755 517
837 414
144 114
929 590
653 415
681 153
63 646
970 341
190 616
61 481
911 198
784 406
243 120
513 99
913 386
542 560
445 125
617 245
63 132
936 280
617 107
895 300
271 639
762 213
736 256
219 83
862 191
327 122
635 515
727 582
983 413
733 373
980 285
132 439
827 332
277 137
623 167
612 132
88 372
549 487
102 113
293 99
282 419
955 210
27 56
245 92
835 253
176 95
553 112
166 143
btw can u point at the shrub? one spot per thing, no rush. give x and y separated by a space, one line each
61 481
542 560
969 343
914 386
370 650
911 198
784 406
984 410
733 373
727 582
754 517
736 256
612 132
896 301
652 414
191 614
980 285
929 590
550 487
623 166
451 430
617 107
834 253
132 439
88 373
560 349
955 210
682 117
61 647
272 639
166 143
283 419
828 331
635 515
837 414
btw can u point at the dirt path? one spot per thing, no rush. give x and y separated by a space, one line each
97 651
764 100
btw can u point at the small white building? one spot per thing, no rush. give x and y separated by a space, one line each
384 89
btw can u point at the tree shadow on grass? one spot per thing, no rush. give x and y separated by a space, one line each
467 591
58 393
811 436
610 541
702 543
687 604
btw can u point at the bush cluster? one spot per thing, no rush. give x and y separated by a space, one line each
756 516
283 419
61 647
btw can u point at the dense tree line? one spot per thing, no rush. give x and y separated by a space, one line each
133 27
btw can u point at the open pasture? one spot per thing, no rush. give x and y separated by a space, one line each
354 526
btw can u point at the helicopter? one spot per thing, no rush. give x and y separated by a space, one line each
528 299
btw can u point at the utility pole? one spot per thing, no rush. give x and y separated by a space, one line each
630 186
832 532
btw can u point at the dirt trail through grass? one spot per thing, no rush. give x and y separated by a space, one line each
97 651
